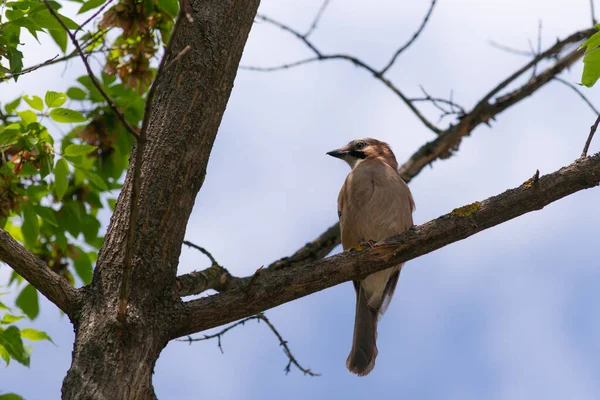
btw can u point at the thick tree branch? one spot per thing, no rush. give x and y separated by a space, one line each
37 273
219 279
285 285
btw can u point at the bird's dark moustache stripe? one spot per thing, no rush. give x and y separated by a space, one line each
358 154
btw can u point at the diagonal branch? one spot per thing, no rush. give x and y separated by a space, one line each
282 286
411 40
219 279
319 56
315 22
37 273
259 317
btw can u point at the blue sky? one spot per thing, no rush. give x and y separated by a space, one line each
510 313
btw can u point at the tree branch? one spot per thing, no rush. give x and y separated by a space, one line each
411 40
322 57
37 273
593 129
279 287
219 279
259 317
315 22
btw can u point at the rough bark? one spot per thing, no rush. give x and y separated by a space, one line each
114 359
272 288
36 272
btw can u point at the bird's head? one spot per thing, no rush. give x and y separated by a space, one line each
362 149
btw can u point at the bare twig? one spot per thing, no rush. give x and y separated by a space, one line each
315 22
411 40
259 317
93 78
28 70
178 57
579 93
87 21
590 137
359 63
203 251
510 49
593 13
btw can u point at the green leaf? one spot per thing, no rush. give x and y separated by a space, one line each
31 225
35 335
9 318
35 102
47 214
4 354
74 150
60 38
10 107
591 68
96 180
171 7
61 183
76 93
90 5
10 396
28 302
55 99
47 21
65 115
83 266
10 339
27 116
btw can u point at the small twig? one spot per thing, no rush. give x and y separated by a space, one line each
579 92
253 281
357 62
411 40
315 22
259 317
590 137
87 21
203 251
93 78
510 49
28 70
594 21
178 57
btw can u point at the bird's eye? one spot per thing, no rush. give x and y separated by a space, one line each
360 145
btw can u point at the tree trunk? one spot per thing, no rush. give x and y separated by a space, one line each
114 359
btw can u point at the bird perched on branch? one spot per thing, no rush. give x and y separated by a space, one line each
374 203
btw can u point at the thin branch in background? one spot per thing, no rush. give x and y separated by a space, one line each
315 22
259 317
93 78
538 51
510 49
579 93
593 13
411 40
178 57
203 251
357 62
87 21
28 70
590 137
439 103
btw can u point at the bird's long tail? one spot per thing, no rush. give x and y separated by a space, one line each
361 359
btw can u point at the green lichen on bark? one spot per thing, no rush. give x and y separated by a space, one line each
467 210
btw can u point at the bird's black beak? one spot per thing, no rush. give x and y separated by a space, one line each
338 153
